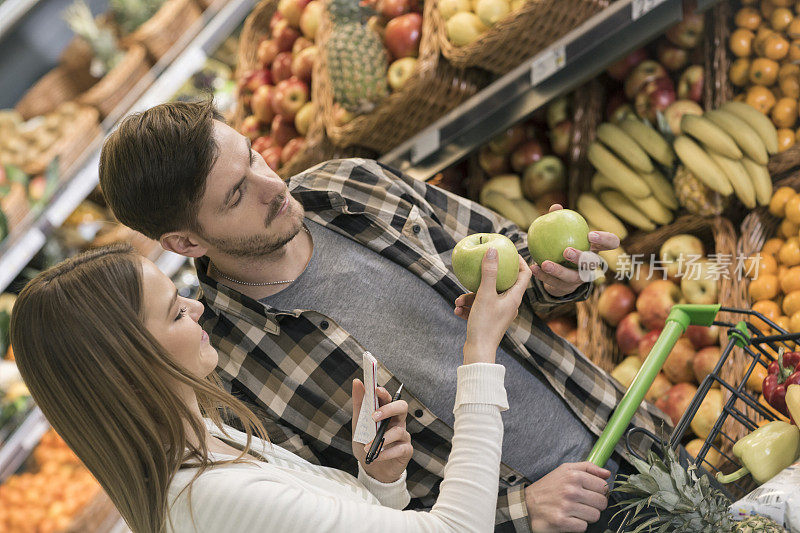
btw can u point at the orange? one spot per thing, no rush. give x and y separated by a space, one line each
790 281
764 287
792 209
797 135
776 47
760 40
769 309
748 17
768 264
740 72
772 246
784 322
777 203
741 97
791 305
756 379
781 18
785 139
794 51
782 271
789 254
793 31
789 85
741 42
761 98
787 228
794 323
784 114
766 7
788 69
763 71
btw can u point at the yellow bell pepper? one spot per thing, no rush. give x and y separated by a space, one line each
765 452
793 402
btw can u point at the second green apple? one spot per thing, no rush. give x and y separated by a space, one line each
551 234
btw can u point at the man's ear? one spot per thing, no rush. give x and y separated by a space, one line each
183 244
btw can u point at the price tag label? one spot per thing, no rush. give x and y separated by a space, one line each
427 143
548 63
78 189
642 7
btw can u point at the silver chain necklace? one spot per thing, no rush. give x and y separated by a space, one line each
264 284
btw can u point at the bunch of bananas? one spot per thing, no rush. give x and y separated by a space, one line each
728 149
628 186
503 194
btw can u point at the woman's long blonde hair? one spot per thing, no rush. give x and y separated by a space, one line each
103 381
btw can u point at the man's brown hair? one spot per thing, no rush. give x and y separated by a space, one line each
153 168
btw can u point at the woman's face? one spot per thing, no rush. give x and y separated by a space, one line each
172 320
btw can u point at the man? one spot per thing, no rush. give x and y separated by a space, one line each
299 281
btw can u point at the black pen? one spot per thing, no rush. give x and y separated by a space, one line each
377 442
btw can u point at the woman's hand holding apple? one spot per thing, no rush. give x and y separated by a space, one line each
490 314
559 280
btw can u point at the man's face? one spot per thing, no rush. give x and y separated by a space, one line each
246 209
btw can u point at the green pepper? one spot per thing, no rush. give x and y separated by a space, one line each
765 452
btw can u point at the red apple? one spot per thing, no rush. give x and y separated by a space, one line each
37 187
301 44
393 8
615 303
292 148
492 163
690 85
288 97
561 325
561 137
647 343
253 79
641 277
261 103
677 399
309 20
677 109
282 67
620 70
655 302
400 71
303 63
282 130
680 251
659 387
292 10
267 50
702 336
671 56
272 156
505 142
273 21
262 143
302 120
629 333
526 154
644 72
678 366
403 34
688 32
705 361
656 96
252 128
284 35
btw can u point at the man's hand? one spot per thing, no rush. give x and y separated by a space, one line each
559 280
567 499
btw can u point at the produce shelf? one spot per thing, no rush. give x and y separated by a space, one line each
22 442
163 80
12 11
572 60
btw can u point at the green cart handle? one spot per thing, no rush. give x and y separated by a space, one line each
680 317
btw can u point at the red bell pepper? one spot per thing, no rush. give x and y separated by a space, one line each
780 374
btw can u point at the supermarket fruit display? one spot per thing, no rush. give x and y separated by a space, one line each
20 193
764 71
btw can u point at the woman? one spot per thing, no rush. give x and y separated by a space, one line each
119 365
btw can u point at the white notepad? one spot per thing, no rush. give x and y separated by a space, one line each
366 427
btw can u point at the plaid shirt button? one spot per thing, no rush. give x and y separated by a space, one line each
415 228
324 324
512 479
418 413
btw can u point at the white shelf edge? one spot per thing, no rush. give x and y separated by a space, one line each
11 11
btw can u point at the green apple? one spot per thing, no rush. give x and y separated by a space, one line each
468 255
551 234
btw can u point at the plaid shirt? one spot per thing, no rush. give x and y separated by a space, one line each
295 368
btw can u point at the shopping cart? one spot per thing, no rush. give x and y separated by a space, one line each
759 349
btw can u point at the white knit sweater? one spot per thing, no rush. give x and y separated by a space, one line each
287 493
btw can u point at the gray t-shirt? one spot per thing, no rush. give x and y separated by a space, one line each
413 331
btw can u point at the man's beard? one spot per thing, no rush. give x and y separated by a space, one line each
259 244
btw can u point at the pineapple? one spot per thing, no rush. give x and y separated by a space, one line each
357 59
104 46
695 196
667 497
130 14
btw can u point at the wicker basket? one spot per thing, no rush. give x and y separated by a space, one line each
107 93
84 130
434 88
53 89
518 36
164 28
